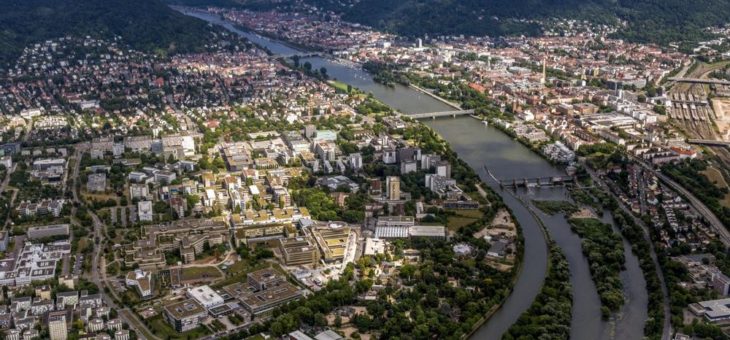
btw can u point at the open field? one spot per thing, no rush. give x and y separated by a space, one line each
462 218
338 85
192 273
715 176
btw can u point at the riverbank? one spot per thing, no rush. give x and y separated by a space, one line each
489 195
470 142
434 96
650 329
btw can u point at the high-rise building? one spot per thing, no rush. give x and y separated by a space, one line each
356 161
57 327
393 187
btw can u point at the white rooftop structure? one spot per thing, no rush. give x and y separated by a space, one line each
374 246
427 231
205 296
391 232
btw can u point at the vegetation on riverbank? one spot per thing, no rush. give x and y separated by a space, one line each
641 248
604 250
555 207
385 74
550 315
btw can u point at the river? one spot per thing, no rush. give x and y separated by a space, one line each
480 145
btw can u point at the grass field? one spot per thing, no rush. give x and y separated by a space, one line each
193 273
338 85
462 218
715 176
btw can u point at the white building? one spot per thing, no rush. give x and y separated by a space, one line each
142 280
205 296
356 161
144 209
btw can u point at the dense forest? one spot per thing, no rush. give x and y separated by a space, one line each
604 251
147 25
550 314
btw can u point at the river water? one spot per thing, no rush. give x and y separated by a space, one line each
480 146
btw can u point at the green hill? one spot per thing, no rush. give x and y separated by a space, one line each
660 21
147 25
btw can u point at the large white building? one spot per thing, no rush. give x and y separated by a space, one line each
144 210
57 329
36 262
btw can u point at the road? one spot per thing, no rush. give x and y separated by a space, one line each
709 216
667 327
98 269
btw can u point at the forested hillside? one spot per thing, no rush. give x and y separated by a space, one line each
660 21
144 24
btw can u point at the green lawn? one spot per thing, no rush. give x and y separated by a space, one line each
455 223
193 273
462 218
472 213
338 85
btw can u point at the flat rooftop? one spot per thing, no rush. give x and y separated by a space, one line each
270 297
185 308
205 295
716 309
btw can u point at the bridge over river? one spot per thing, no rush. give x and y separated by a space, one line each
435 115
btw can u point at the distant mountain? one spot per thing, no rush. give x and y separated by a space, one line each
660 21
147 25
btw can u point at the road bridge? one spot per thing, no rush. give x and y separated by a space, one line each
435 115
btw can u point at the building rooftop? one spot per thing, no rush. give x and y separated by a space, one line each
427 231
205 296
185 308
